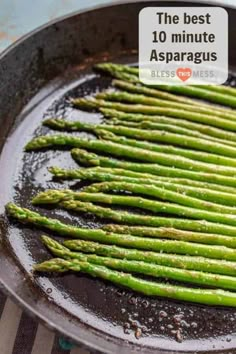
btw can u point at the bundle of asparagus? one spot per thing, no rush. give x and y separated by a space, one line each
160 152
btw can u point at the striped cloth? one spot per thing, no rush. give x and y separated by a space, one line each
20 334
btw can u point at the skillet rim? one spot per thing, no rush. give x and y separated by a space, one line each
106 343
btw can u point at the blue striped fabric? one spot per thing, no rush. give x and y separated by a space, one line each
20 334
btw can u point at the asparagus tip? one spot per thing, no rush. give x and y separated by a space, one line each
102 66
84 103
84 157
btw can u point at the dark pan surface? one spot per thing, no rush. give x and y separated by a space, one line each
88 310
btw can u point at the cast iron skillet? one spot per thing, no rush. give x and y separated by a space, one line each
37 76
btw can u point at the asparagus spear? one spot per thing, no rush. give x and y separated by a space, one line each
59 196
189 104
120 74
129 152
89 104
174 139
203 296
128 83
150 125
219 88
192 91
170 260
147 220
61 124
167 191
169 149
208 191
139 118
100 130
224 99
121 96
91 159
208 279
171 233
181 247
26 216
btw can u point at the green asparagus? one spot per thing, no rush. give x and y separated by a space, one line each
129 84
171 192
119 74
147 220
170 260
171 150
174 139
179 247
61 124
140 118
150 125
171 233
91 159
26 216
201 278
207 191
224 99
192 91
58 197
219 88
121 96
130 152
89 104
190 104
203 296
130 75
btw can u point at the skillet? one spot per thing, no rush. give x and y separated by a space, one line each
38 74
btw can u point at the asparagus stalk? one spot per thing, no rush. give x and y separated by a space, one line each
208 95
147 220
121 96
203 296
26 216
181 185
172 150
91 159
100 130
150 125
179 247
61 124
128 83
192 91
170 260
190 104
131 77
171 233
219 88
120 74
192 154
129 152
139 118
89 104
174 139
201 278
57 197
173 193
